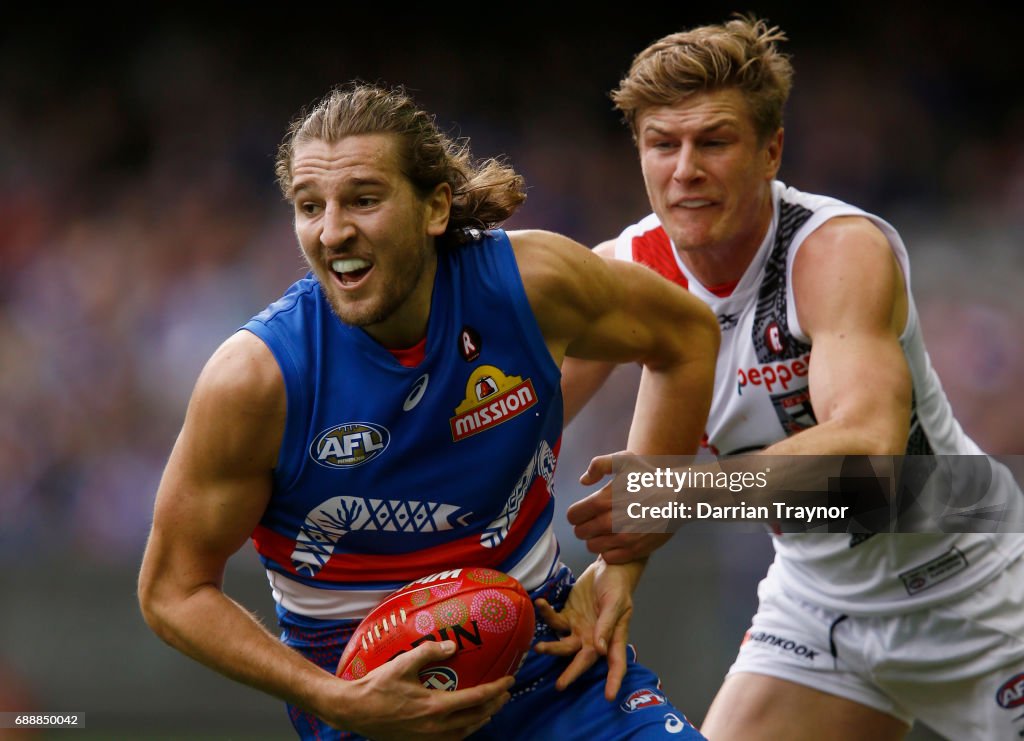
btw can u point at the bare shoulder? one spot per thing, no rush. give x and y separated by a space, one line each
239 404
243 370
555 268
845 238
544 248
846 269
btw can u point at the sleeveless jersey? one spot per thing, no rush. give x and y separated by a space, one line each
388 473
761 396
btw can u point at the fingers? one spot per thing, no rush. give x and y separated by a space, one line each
616 556
473 729
487 696
632 544
607 541
617 659
604 629
556 620
466 721
599 467
593 505
589 507
567 646
584 659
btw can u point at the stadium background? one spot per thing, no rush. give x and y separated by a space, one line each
139 225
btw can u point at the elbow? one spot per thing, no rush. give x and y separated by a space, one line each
887 436
156 605
703 337
692 340
150 605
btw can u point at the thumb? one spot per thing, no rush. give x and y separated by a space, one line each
427 652
600 466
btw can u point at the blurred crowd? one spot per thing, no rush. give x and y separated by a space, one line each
140 224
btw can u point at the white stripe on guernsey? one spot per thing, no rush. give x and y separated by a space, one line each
532 571
624 242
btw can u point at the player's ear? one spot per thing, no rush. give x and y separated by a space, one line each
773 153
438 206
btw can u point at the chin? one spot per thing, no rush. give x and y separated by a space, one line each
689 240
355 315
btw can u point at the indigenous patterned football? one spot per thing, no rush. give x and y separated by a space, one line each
487 613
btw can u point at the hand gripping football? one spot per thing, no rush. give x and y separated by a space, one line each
486 613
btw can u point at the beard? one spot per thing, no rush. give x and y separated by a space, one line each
394 285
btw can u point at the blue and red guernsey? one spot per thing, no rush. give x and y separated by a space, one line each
388 473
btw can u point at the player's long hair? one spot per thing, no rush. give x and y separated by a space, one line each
484 193
738 54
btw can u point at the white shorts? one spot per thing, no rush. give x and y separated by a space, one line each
958 667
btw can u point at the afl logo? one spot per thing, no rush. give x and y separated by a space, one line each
642 699
439 678
773 338
1011 694
350 444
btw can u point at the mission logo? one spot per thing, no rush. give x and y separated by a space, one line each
491 398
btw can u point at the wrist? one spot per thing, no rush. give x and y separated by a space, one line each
332 699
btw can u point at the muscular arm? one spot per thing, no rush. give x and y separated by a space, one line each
213 493
851 302
615 312
581 379
606 310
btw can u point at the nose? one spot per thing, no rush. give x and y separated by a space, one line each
687 164
337 227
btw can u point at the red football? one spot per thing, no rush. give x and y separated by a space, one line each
487 613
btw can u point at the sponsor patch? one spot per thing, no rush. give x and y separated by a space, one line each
643 699
439 678
349 444
1011 693
773 339
794 410
934 572
674 724
728 321
469 344
418 389
774 376
786 645
491 399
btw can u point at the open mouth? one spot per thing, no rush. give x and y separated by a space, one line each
693 204
350 271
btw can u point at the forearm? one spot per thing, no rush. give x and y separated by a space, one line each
581 379
674 399
213 629
839 437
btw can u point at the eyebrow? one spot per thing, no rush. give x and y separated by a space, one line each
359 182
716 124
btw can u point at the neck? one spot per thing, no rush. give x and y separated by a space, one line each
408 324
